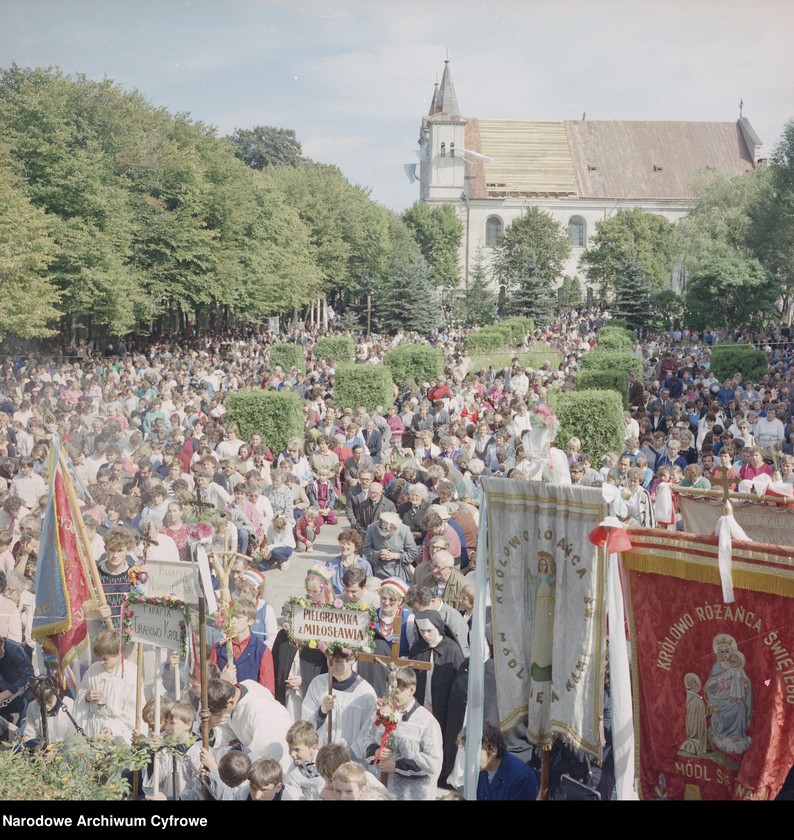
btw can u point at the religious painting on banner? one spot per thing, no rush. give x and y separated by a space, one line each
713 682
548 607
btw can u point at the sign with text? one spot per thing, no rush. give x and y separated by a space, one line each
157 625
328 627
172 577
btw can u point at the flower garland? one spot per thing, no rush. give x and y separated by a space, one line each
388 716
331 647
169 601
545 415
137 575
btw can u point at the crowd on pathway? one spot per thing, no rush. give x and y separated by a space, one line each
143 424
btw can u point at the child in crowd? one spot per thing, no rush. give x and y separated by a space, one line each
307 529
349 781
226 772
252 660
174 773
266 781
302 780
106 699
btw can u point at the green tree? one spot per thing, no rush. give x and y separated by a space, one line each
633 297
407 300
438 232
479 302
731 291
770 233
26 250
530 260
571 291
264 146
646 238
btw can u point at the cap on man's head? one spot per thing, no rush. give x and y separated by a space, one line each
440 510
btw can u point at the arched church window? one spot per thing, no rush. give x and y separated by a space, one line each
494 231
577 232
443 150
452 150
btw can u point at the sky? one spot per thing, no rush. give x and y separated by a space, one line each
353 78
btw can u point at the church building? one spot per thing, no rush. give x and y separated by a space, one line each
579 171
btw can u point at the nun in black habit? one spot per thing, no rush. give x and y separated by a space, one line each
437 645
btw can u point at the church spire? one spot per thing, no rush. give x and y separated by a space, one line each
444 100
433 100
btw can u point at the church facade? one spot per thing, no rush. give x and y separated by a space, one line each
579 171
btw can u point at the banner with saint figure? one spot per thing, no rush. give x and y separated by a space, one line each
714 682
548 607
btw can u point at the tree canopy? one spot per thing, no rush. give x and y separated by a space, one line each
264 146
630 238
438 232
529 260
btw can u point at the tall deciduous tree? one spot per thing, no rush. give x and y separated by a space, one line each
731 291
264 146
770 233
530 260
437 231
629 235
26 250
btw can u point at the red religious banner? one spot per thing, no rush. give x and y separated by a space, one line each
713 682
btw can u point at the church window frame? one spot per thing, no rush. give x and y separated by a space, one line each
577 231
494 231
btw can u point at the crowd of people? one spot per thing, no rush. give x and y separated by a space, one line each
144 427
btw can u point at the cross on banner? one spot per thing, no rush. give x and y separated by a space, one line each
199 503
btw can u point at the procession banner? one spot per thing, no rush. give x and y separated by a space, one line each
172 577
63 582
548 607
714 682
155 624
768 523
330 627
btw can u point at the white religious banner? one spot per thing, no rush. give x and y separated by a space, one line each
154 622
172 577
330 627
548 607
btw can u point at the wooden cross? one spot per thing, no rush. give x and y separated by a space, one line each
199 503
392 663
725 482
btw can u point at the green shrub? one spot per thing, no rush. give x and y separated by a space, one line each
615 340
519 329
483 341
276 415
595 417
602 380
503 330
729 359
617 324
610 360
419 362
367 385
335 349
527 358
288 356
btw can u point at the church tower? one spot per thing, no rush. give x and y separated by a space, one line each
442 166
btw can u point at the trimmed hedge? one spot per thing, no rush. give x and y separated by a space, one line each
367 385
519 329
276 415
610 360
595 417
335 349
605 380
729 359
615 340
419 362
483 341
288 356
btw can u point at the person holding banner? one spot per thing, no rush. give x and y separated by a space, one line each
352 700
